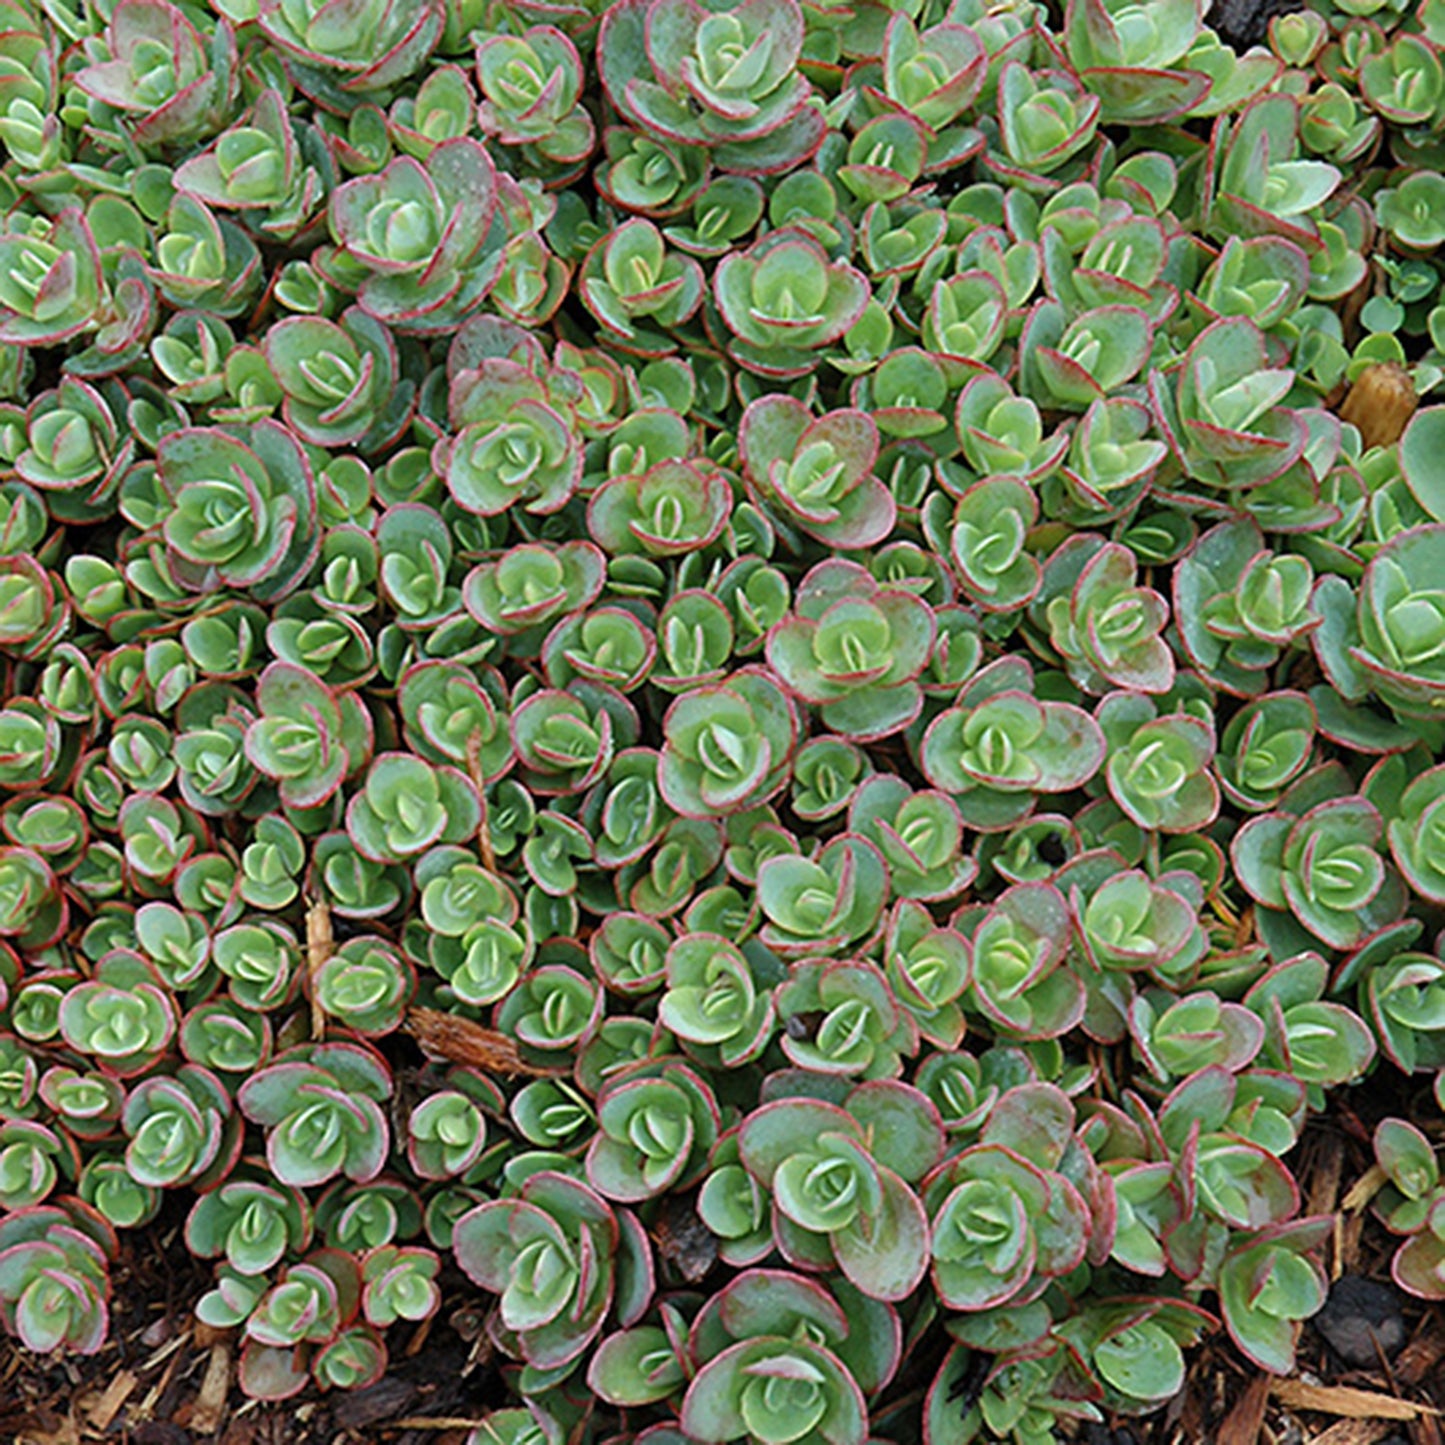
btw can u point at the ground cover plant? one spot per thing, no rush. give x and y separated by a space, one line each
762 683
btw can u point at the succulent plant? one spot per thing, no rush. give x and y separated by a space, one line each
726 79
320 1107
555 1311
54 1281
653 647
417 238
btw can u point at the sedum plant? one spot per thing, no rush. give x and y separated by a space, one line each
769 673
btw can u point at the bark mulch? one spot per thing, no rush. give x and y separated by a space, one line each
163 1379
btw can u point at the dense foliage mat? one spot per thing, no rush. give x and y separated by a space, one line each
770 673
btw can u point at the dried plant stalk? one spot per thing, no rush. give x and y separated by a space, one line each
320 945
448 1038
1380 403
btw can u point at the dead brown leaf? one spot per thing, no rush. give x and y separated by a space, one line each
458 1040
1324 1190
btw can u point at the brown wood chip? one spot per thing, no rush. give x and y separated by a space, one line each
147 1408
215 1389
419 1338
1419 1358
1241 1425
111 1402
65 1433
204 1335
1353 1432
1341 1400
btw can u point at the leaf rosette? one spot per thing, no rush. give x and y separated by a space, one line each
1021 980
399 1283
421 237
841 1018
673 508
631 282
123 1017
815 1160
54 1281
1239 606
727 746
180 1129
769 1391
251 1223
1137 56
531 84
1322 866
816 473
380 43
1262 187
446 1134
1392 639
513 443
320 1107
1044 118
934 74
32 1158
51 286
1108 629
824 904
1269 1285
1000 747
655 1129
182 99
1221 410
307 737
920 835
853 650
339 381
783 299
266 165
1266 746
714 1002
1158 768
726 78
550 1253
1004 1220
407 805
244 508
366 985
1318 1042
